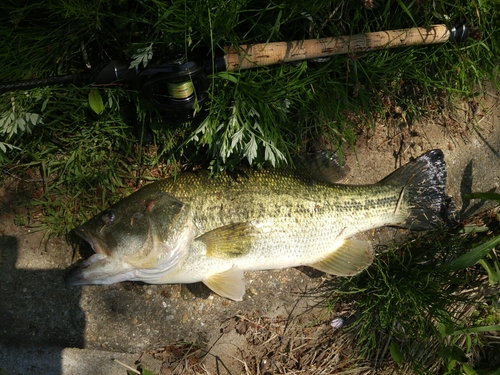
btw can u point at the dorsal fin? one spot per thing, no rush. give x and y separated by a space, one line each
352 257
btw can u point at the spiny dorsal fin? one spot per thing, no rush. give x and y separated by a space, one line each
229 241
352 257
228 284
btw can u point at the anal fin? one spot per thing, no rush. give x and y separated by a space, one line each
227 284
352 257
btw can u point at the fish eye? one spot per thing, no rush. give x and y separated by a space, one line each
108 218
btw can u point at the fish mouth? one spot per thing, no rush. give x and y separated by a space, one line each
100 268
98 245
77 276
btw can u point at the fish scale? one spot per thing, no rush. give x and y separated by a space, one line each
266 193
196 228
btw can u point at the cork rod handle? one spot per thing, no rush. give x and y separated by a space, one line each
255 55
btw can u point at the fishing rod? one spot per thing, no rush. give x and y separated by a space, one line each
175 87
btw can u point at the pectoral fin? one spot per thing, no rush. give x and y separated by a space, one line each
229 241
227 284
352 257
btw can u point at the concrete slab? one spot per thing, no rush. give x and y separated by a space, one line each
55 360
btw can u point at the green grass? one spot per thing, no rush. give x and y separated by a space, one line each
429 304
80 140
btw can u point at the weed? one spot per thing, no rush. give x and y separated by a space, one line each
423 297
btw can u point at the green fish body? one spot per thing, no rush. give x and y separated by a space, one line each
195 228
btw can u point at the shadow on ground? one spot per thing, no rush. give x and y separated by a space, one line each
37 309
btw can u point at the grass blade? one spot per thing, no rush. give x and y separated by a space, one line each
472 257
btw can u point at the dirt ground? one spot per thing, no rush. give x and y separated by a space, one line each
278 327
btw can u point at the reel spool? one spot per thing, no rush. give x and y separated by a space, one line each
176 87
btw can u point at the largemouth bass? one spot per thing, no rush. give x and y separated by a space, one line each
195 228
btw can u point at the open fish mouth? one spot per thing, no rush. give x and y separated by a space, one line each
76 275
97 244
100 268
112 263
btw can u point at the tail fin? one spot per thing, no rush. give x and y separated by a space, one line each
423 182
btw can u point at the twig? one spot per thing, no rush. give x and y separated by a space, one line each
247 370
127 366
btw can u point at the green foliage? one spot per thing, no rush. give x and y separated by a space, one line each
261 116
95 101
20 115
455 357
143 372
487 196
412 296
142 57
397 294
473 256
81 168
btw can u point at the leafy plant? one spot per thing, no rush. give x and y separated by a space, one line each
142 372
142 56
413 297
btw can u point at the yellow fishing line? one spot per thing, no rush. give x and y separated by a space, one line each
181 90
